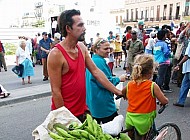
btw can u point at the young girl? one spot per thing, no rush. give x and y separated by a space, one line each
141 94
111 60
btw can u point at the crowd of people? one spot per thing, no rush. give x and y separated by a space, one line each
85 83
29 52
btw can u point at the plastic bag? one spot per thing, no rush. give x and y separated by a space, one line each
60 115
117 124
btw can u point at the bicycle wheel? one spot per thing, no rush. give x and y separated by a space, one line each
173 131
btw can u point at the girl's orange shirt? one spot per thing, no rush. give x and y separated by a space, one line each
140 97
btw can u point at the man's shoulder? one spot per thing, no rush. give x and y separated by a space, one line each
138 40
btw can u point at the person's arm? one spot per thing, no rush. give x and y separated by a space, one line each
42 48
184 59
17 56
141 48
3 49
124 92
55 66
159 95
99 75
17 61
30 47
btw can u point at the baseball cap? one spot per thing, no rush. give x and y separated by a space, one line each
140 22
44 33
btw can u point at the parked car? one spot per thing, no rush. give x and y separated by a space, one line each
149 30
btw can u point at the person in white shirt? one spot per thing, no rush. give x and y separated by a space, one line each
151 43
53 26
23 57
29 45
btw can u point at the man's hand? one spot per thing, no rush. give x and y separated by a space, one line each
176 68
47 51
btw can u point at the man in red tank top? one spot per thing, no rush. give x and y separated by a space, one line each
67 62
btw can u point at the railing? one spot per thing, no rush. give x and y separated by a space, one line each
155 19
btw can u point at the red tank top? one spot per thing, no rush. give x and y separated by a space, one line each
73 88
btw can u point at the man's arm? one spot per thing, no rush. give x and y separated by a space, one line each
3 49
99 75
54 66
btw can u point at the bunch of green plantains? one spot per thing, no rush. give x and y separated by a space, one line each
89 130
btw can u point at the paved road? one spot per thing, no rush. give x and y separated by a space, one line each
19 120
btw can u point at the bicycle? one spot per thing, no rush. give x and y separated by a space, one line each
172 130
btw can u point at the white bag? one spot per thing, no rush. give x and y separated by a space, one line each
113 127
117 102
61 115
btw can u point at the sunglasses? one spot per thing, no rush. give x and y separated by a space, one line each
101 41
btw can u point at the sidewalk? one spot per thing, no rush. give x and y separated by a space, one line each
25 94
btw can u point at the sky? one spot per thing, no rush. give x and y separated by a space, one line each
14 9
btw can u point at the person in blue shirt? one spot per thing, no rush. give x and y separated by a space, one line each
100 101
162 57
111 37
45 45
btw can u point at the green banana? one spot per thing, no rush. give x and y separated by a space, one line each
84 133
89 130
95 127
108 137
124 136
63 133
60 126
99 130
102 137
89 121
85 123
55 136
91 137
75 133
73 125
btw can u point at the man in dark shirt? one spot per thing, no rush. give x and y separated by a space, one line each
45 45
2 57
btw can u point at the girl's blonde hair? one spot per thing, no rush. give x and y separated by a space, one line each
143 65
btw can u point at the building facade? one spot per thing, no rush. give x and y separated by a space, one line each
153 12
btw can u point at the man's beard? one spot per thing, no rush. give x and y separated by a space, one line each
82 37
